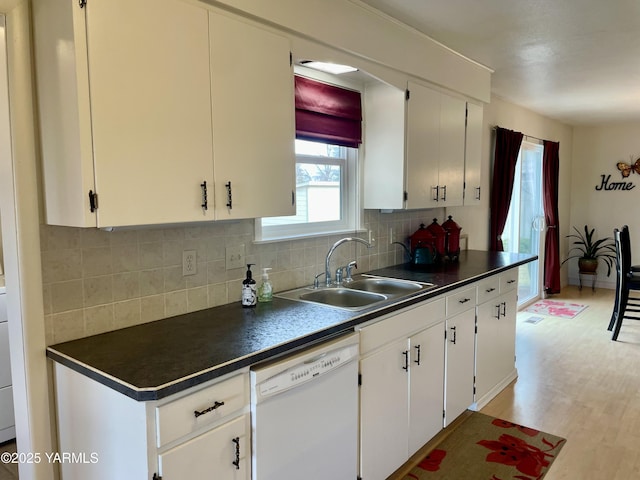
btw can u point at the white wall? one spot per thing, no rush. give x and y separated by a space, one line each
597 150
475 220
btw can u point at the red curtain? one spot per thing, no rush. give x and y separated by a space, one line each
550 169
327 113
504 168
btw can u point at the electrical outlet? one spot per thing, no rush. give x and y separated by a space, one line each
189 265
234 257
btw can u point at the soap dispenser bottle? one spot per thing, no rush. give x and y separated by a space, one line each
265 291
249 297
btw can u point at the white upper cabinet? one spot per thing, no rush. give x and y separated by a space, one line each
139 99
415 144
473 155
253 120
125 110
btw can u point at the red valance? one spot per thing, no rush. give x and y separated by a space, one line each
327 113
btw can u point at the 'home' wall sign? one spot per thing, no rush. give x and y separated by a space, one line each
625 170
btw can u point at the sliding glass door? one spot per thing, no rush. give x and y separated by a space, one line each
524 231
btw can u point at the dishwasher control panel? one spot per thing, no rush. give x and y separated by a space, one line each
306 370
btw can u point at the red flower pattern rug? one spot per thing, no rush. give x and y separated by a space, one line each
487 448
556 308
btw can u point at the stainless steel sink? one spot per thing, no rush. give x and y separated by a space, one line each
343 297
388 286
363 292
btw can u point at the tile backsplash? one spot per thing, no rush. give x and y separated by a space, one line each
95 281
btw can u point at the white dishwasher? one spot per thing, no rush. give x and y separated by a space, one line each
304 411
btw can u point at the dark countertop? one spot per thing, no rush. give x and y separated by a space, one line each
157 359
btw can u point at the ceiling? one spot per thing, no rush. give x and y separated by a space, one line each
577 61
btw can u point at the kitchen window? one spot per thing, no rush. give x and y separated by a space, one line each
328 134
326 194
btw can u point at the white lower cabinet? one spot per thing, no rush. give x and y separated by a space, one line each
495 339
202 432
426 379
221 453
384 401
459 364
402 387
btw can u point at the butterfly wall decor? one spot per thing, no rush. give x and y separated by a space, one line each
626 169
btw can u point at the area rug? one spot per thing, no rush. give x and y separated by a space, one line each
556 308
487 448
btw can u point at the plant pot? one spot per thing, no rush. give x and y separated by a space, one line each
587 265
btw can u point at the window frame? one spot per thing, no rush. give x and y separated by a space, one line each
349 202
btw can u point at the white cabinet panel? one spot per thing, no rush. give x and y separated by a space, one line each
423 147
459 364
451 153
140 130
473 156
176 419
222 453
426 389
384 400
415 144
253 120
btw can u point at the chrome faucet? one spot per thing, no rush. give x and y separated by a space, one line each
406 249
327 271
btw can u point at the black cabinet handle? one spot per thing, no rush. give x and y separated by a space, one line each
444 193
453 336
498 312
477 193
436 197
406 360
504 309
215 406
489 290
417 360
464 300
229 201
205 202
236 462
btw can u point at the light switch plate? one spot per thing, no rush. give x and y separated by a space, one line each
234 256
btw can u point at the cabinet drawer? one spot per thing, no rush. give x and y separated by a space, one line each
401 324
508 280
178 418
461 301
488 288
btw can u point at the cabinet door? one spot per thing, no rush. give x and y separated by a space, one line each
426 386
253 120
150 110
423 147
459 364
211 455
473 155
495 343
384 397
451 156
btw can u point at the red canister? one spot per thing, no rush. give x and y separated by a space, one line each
439 236
453 238
422 236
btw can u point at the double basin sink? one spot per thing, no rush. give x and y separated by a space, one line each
363 292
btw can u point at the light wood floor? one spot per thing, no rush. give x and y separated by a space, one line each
573 381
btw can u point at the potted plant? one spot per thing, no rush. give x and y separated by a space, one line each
588 251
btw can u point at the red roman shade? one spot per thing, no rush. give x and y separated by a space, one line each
327 113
